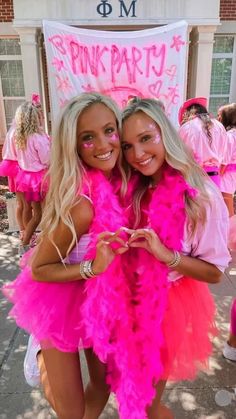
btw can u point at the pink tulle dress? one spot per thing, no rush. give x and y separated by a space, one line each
188 321
51 311
188 324
228 179
9 166
33 162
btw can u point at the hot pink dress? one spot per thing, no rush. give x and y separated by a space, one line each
33 162
191 311
9 165
228 179
51 311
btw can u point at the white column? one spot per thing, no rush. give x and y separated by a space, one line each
202 40
30 60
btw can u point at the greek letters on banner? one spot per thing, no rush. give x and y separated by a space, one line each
146 63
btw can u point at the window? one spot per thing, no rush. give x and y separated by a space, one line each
11 78
221 74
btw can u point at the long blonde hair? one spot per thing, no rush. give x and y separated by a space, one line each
176 155
66 172
27 122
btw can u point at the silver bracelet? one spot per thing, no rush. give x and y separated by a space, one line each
86 270
82 270
175 262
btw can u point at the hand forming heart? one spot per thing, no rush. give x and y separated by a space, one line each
147 238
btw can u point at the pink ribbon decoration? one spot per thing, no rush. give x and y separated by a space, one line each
35 99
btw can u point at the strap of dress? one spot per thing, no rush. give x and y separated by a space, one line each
60 255
87 197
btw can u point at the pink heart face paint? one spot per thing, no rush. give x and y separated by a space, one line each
87 145
98 142
157 139
114 137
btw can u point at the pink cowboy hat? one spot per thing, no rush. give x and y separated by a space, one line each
194 101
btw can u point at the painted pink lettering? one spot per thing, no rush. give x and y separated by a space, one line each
99 54
74 50
125 60
162 55
136 57
57 41
115 57
89 60
148 59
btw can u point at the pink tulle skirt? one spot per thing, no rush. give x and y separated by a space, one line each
10 169
48 310
32 184
188 329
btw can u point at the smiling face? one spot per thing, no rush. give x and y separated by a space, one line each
98 137
142 144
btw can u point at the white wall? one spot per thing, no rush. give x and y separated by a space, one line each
84 12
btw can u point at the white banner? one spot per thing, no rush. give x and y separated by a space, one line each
145 63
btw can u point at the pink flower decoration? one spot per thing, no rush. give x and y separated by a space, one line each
35 99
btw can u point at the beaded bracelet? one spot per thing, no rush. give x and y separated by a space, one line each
175 262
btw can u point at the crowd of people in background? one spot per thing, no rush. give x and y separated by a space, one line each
26 155
106 274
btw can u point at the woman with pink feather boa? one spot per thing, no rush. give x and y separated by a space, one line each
145 313
179 242
73 252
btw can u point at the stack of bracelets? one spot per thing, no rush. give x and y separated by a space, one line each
86 270
175 262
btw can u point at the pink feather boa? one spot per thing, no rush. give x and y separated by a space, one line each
124 306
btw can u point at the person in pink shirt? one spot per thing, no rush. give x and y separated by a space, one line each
227 116
229 350
32 147
205 136
9 167
175 209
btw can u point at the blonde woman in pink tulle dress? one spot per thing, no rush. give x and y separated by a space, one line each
32 147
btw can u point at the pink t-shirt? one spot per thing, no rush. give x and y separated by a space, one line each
36 155
194 136
209 241
9 147
230 147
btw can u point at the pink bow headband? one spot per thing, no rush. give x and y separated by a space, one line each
35 99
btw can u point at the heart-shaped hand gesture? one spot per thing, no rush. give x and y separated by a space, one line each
147 238
109 245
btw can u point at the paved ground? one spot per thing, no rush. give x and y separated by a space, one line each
211 396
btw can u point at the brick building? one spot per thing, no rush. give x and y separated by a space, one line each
212 44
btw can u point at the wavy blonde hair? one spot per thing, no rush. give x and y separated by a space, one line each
176 155
27 122
66 172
